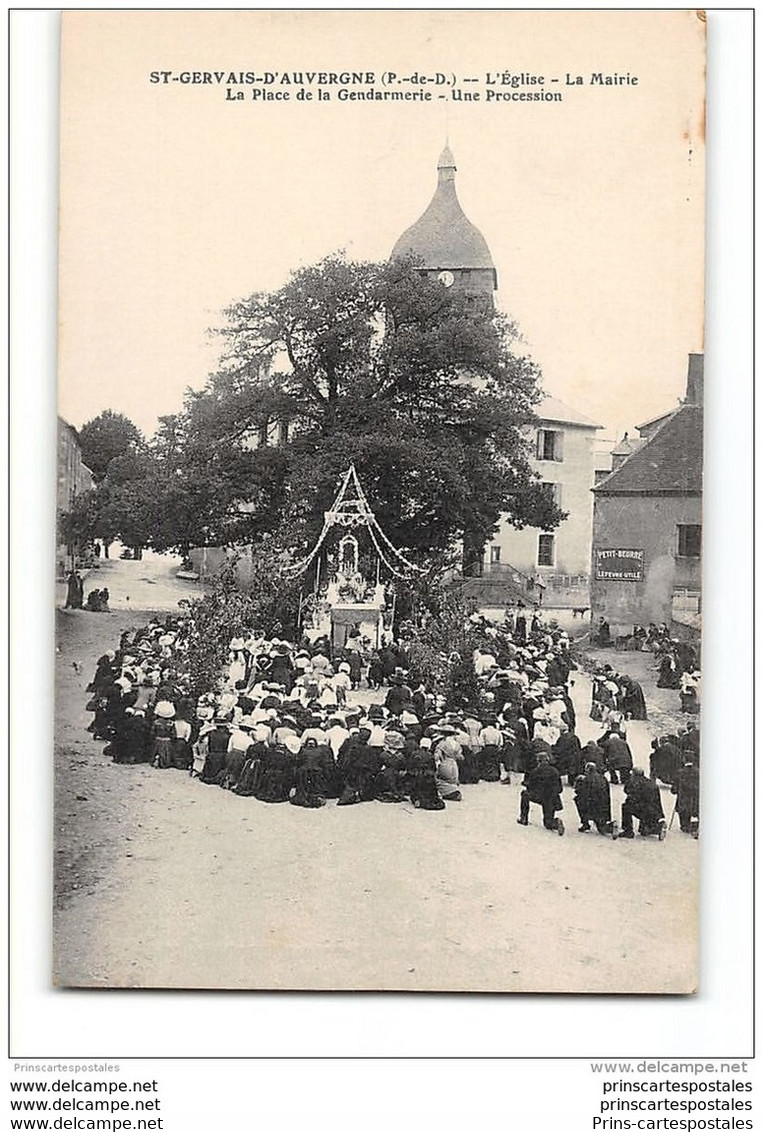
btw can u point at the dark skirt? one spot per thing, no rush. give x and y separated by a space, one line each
181 754
310 788
424 792
469 769
490 763
246 784
214 768
162 753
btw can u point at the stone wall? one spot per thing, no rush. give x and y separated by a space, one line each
208 561
649 524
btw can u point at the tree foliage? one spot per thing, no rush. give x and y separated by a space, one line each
108 436
268 605
419 387
422 388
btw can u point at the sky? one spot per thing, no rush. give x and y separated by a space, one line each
176 201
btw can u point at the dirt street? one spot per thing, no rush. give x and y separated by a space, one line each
164 882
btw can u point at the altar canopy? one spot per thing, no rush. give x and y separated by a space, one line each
350 510
351 602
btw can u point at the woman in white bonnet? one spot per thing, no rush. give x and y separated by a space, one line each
237 665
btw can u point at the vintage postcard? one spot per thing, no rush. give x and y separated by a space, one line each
379 516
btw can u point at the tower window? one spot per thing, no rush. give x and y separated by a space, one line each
495 554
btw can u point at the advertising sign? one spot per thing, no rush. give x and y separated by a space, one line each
620 565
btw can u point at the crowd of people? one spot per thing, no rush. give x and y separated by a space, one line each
616 698
282 726
677 661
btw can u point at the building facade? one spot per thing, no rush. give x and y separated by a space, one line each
558 561
73 478
647 532
552 566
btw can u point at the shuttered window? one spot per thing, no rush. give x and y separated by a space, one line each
550 445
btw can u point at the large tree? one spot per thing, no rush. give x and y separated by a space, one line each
107 437
420 387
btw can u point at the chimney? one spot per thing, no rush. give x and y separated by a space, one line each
621 453
694 380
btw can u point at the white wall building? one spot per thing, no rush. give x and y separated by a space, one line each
559 560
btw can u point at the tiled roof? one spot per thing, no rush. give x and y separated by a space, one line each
669 463
551 409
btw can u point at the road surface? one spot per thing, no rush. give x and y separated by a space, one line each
165 882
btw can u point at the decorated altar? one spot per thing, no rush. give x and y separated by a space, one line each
345 601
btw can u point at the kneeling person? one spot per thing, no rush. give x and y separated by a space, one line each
592 798
543 785
642 801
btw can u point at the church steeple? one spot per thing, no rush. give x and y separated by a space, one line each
446 166
448 245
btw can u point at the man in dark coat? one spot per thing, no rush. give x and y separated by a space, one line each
567 756
686 788
618 756
633 702
543 786
399 694
74 591
593 753
592 799
665 759
642 801
389 658
689 741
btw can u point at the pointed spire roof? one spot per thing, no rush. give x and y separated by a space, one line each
447 161
443 237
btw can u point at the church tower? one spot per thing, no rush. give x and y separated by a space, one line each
448 245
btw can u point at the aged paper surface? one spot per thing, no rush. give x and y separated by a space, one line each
204 157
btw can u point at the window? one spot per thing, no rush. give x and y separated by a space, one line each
689 540
545 550
550 444
495 554
555 491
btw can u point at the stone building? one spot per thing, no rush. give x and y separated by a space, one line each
550 566
73 478
557 561
647 527
547 566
